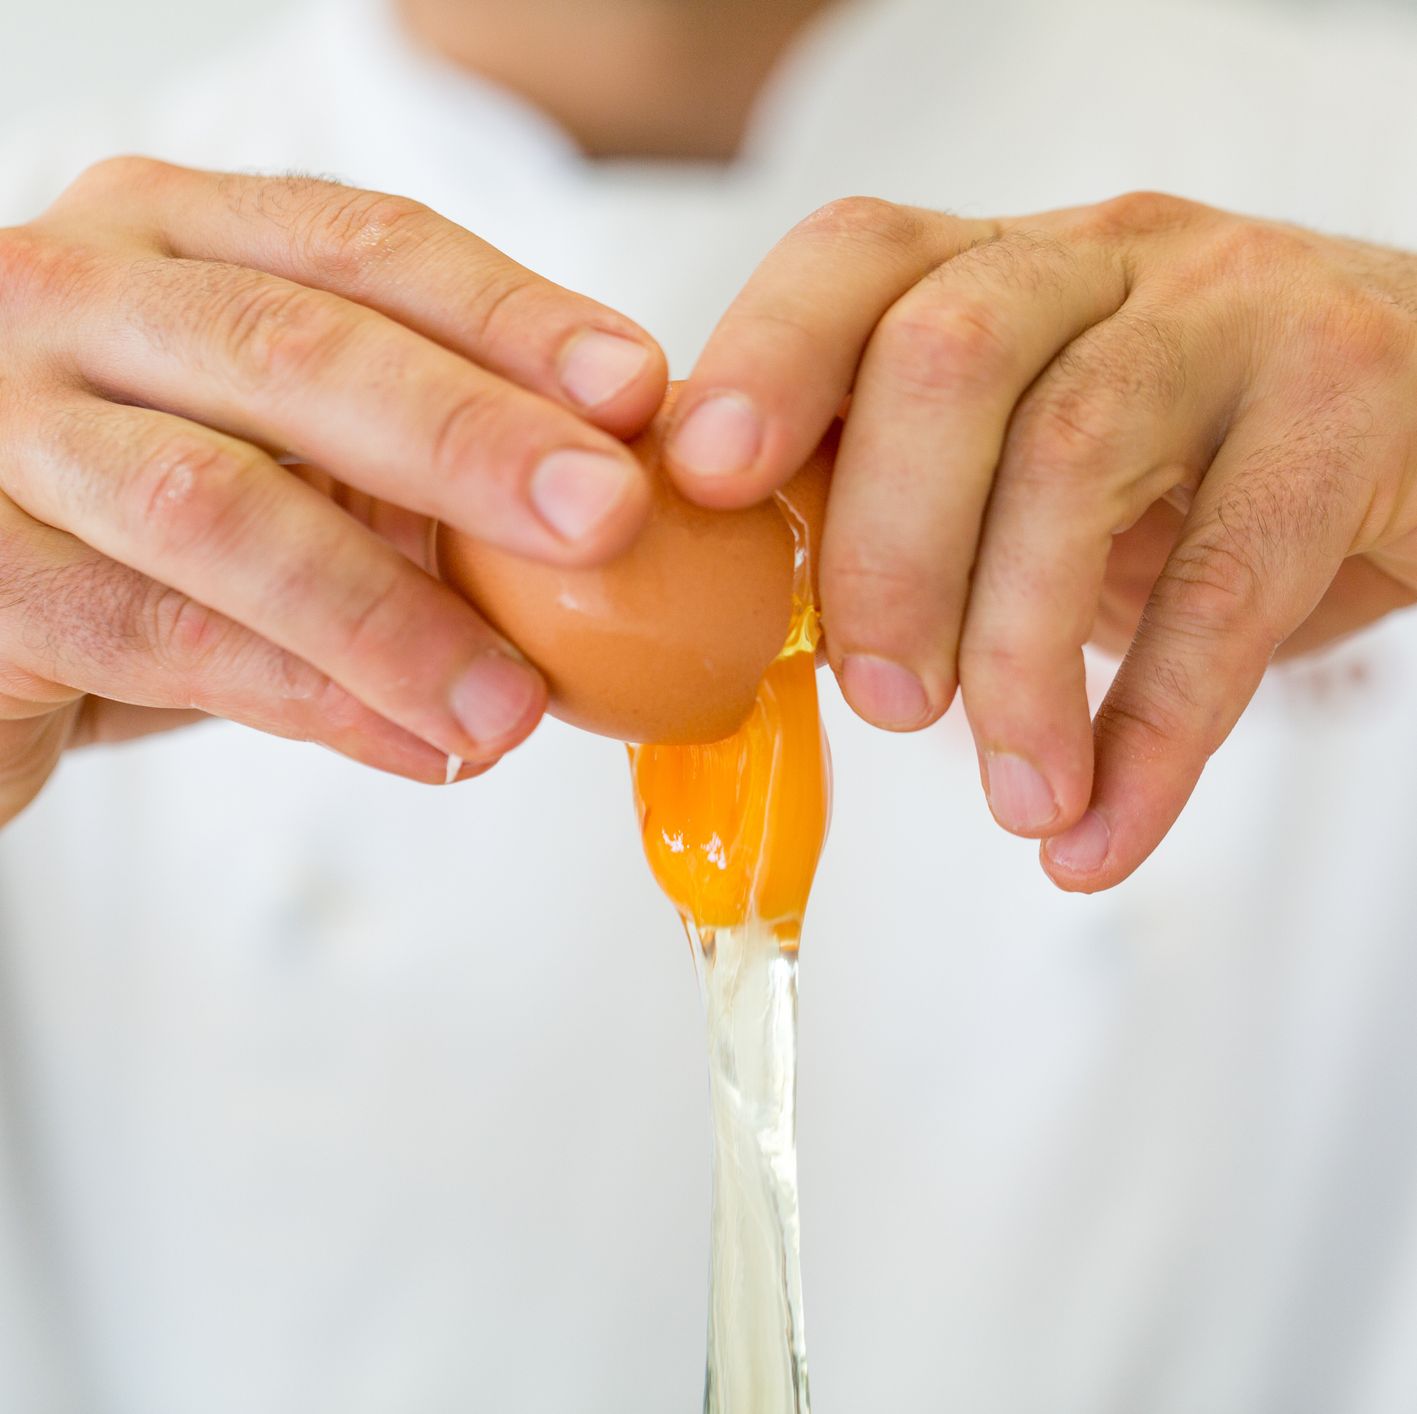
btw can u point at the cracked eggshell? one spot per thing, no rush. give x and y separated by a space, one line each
668 642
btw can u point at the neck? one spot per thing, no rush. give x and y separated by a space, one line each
625 78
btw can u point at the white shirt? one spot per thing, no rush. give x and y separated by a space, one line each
326 1092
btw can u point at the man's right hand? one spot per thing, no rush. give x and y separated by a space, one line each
169 338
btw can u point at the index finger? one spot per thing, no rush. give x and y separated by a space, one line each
783 359
400 258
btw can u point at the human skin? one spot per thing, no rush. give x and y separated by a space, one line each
168 334
1032 400
639 78
1187 434
159 565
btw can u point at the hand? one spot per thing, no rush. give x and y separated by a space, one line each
1192 431
169 336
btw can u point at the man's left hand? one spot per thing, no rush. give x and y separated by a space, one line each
1187 434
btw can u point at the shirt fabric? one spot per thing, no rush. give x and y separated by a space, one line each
321 1091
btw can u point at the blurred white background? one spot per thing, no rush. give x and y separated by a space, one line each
275 1143
52 51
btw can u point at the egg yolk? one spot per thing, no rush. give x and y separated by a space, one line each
733 830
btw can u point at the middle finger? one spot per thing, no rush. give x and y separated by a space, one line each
928 419
217 520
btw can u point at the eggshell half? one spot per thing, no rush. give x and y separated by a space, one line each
668 642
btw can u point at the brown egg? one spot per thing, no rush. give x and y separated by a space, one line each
668 642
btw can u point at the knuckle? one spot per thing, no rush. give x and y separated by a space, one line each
38 268
214 664
879 592
316 708
1362 334
185 497
931 346
273 331
183 636
124 172
1145 722
297 682
279 683
1140 213
26 261
1254 252
1067 430
284 200
1208 587
1022 260
1133 357
778 326
497 302
991 657
377 619
351 230
462 436
865 218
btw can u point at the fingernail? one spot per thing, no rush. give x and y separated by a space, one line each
1083 849
494 699
719 438
883 692
575 492
1020 797
595 366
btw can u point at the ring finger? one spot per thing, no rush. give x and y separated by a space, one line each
105 629
218 520
1119 420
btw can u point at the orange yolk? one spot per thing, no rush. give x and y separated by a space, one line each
733 830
